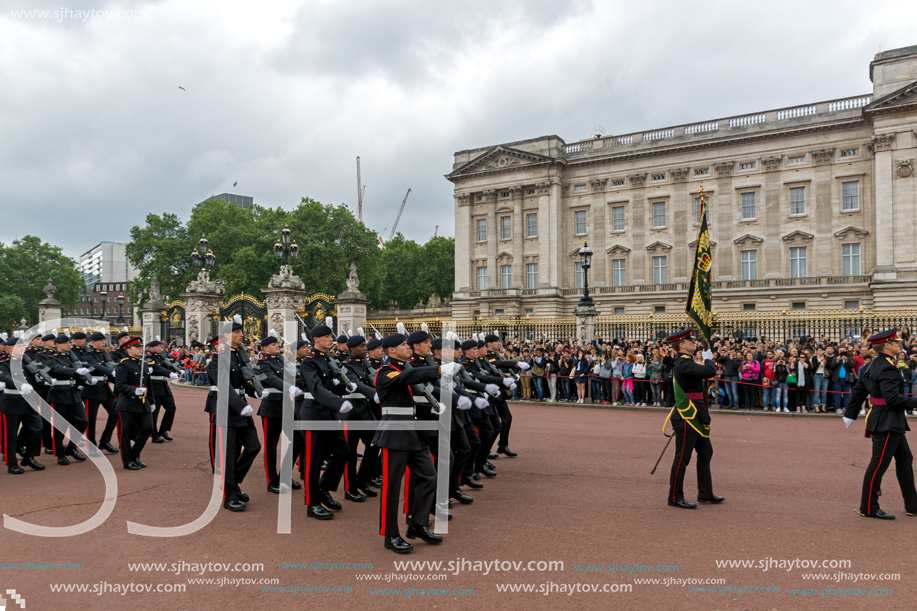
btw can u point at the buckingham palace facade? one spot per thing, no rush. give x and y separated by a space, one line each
810 207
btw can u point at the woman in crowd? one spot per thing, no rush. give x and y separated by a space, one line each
820 379
640 380
581 371
605 376
751 378
655 375
780 394
627 378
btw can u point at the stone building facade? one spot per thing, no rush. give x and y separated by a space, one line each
810 207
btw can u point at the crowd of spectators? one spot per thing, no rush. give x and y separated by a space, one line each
805 374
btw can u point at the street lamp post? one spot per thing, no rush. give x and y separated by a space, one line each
202 256
286 248
104 298
585 254
120 300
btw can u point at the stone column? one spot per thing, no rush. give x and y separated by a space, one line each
883 199
464 243
518 239
351 304
49 308
284 293
201 297
151 311
586 315
551 232
492 240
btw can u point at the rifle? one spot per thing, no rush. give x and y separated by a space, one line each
170 363
336 370
248 373
32 367
75 360
426 389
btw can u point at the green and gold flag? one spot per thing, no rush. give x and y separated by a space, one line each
698 307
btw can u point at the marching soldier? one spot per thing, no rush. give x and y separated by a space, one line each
272 366
100 393
15 411
404 448
40 349
506 418
690 422
374 353
881 383
242 444
365 410
161 391
323 401
119 353
134 403
66 402
480 418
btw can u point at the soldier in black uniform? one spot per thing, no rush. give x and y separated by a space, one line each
272 366
881 383
404 448
323 401
365 410
134 403
242 444
691 421
40 349
119 353
161 392
15 411
506 418
100 393
66 402
374 353
486 421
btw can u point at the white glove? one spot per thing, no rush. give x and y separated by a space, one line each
173 375
82 371
507 382
247 410
707 355
259 395
523 365
464 403
439 411
294 392
352 388
346 406
450 369
148 370
153 408
2 386
493 390
848 421
376 399
92 382
24 389
481 403
512 386
140 391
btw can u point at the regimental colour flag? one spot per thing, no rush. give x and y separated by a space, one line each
698 307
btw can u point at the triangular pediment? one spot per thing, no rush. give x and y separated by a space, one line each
498 159
797 235
657 245
748 238
851 231
505 256
617 249
905 96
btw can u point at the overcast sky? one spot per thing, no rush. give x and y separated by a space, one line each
95 132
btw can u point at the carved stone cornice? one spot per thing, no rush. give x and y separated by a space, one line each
904 168
821 156
725 168
617 249
851 231
637 180
772 163
748 238
598 185
490 194
657 246
881 142
544 188
565 188
679 174
464 199
798 237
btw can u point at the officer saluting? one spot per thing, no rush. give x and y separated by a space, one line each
404 447
882 384
690 421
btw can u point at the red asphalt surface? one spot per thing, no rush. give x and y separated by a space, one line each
580 492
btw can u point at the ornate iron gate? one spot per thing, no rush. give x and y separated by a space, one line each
172 328
252 311
317 307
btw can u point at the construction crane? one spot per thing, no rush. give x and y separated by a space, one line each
360 191
436 231
398 217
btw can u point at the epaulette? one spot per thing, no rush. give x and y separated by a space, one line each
127 358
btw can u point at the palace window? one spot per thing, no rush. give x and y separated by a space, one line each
850 195
482 278
618 272
660 265
506 276
531 275
618 220
749 265
850 257
798 262
658 215
797 200
579 220
531 225
482 230
748 206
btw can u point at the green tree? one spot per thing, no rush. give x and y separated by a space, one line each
24 271
160 250
12 311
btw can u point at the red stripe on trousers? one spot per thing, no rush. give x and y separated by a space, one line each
212 458
407 486
308 453
881 456
53 430
349 458
267 475
683 444
6 452
385 491
222 461
121 441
